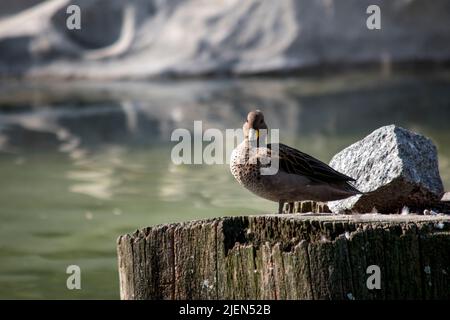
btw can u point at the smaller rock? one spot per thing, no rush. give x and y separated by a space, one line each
394 168
405 210
446 197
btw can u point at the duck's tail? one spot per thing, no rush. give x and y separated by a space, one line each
349 187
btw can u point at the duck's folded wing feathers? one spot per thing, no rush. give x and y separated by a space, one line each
294 161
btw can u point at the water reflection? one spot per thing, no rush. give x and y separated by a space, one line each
327 112
83 162
142 113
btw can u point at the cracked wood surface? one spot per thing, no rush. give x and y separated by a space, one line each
289 256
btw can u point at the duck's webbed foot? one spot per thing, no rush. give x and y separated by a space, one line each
280 206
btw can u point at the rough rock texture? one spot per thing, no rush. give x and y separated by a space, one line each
143 38
394 167
288 256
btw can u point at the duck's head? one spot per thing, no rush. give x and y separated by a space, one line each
255 121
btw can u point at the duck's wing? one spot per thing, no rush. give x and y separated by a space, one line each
294 161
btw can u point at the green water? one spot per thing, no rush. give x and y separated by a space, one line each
47 224
82 163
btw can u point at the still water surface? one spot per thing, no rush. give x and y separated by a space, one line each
82 163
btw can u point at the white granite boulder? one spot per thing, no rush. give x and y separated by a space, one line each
394 168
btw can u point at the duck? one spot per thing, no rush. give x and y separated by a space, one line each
281 173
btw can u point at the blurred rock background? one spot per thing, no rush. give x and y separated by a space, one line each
147 38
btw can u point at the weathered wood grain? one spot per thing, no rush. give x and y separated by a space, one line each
288 256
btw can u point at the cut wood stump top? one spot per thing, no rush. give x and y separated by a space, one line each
288 256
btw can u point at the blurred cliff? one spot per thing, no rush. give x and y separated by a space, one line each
146 38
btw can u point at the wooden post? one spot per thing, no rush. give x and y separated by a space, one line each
289 256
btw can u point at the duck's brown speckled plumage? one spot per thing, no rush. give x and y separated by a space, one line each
299 177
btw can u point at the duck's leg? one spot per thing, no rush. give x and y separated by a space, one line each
280 206
290 207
